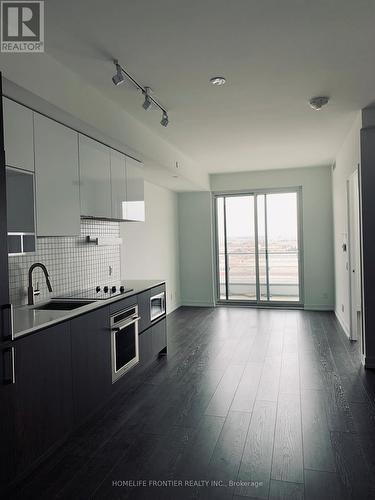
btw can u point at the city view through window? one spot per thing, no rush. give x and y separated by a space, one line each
258 254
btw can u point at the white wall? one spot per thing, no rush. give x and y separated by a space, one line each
150 249
347 160
196 248
316 217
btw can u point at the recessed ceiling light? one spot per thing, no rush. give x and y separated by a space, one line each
218 81
316 103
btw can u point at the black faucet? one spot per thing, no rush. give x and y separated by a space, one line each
30 290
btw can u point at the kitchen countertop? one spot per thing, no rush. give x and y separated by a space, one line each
28 320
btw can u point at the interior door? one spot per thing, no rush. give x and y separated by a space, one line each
354 257
258 249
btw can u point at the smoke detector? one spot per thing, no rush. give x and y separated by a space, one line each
317 103
218 81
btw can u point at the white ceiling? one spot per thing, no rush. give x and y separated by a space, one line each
275 55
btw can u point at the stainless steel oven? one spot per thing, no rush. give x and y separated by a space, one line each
157 305
124 341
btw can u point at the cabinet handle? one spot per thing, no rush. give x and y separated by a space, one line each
9 366
8 322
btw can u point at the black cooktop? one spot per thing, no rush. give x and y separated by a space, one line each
100 292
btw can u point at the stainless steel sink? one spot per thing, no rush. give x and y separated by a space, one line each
62 305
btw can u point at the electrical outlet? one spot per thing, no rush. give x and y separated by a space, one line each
342 308
325 295
110 269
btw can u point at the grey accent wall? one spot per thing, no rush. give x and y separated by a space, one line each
196 248
73 264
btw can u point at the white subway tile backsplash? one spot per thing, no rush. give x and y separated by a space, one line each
72 263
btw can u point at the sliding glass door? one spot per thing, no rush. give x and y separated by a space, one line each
258 249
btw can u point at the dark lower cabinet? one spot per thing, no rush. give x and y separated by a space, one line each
144 310
159 337
145 349
43 387
91 362
63 374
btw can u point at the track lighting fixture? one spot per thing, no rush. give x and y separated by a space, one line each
165 120
147 102
119 78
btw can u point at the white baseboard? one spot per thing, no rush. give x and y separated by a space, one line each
318 307
369 361
343 324
174 307
192 303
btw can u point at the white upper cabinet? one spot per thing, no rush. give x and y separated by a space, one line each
134 208
57 178
95 178
18 135
118 184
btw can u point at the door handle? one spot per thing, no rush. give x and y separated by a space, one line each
9 368
7 321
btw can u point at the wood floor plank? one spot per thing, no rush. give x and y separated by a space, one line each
281 490
287 461
289 375
257 456
269 382
247 389
363 417
226 458
352 468
338 412
224 394
197 458
323 486
317 448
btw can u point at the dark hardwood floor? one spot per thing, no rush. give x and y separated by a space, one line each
248 404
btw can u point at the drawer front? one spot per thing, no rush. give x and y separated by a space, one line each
157 289
122 304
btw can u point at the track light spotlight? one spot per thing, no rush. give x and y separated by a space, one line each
165 120
150 100
147 102
118 78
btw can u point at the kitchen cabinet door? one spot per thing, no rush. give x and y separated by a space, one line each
18 135
91 360
146 354
20 211
144 310
159 337
57 179
95 178
135 196
118 184
44 398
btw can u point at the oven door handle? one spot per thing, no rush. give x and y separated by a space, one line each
135 319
